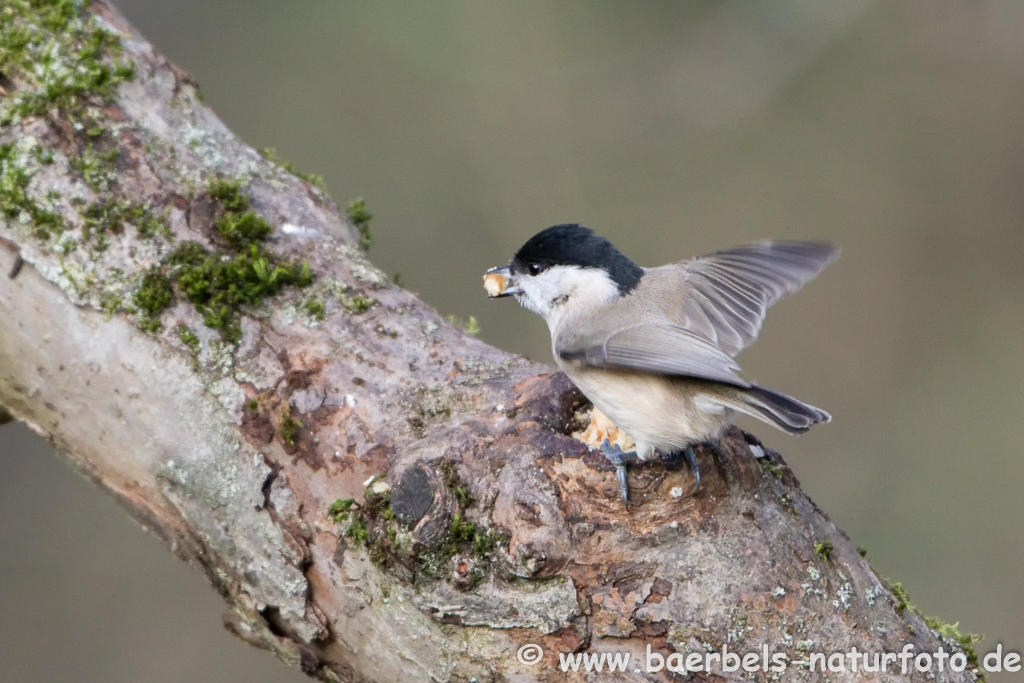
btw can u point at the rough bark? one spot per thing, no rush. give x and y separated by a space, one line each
496 528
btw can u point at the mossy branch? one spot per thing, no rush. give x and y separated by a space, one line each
370 488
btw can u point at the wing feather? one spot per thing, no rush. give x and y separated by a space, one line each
658 348
698 315
727 294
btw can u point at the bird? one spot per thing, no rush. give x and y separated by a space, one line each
654 348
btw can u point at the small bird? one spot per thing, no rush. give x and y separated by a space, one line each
654 348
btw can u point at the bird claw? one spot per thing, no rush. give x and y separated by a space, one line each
620 459
690 455
714 445
691 459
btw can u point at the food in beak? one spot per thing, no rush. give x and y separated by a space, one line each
495 283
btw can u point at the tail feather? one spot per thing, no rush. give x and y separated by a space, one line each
784 412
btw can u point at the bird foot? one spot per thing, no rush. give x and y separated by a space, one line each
620 459
672 460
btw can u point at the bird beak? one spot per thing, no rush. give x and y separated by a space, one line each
498 282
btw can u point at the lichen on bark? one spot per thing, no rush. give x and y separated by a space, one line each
233 447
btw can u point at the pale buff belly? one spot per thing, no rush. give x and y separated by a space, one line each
660 414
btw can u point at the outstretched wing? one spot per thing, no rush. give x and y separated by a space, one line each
658 348
723 297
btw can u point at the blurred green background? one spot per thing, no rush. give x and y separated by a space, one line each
673 128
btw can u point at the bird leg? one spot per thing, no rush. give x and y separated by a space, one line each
714 445
620 459
691 459
672 459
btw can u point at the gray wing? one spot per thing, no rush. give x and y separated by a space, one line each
655 347
724 296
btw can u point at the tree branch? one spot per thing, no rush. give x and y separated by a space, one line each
375 493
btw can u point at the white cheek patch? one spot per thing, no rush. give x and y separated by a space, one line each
565 286
587 286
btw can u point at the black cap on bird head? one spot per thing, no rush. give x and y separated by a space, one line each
574 245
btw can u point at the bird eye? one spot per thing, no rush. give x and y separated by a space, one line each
534 269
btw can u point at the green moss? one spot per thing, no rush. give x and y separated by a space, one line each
111 303
98 170
776 471
462 530
374 526
945 630
228 193
359 532
824 551
453 482
189 339
361 529
379 504
360 218
152 298
154 295
340 509
243 230
464 537
315 308
59 62
356 305
952 632
219 285
290 428
14 182
110 216
238 227
902 599
150 225
270 155
786 501
15 201
72 280
95 131
150 325
58 57
470 325
188 254
486 542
